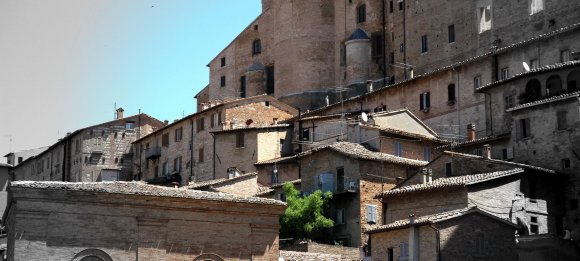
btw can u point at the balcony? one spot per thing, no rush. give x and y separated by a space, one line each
152 153
347 185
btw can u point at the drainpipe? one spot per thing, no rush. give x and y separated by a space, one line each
213 136
438 240
299 130
384 44
405 39
191 153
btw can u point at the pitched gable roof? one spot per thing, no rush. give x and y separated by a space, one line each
446 183
435 218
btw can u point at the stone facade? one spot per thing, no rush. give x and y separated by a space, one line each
354 181
186 147
15 158
470 236
96 153
69 221
241 148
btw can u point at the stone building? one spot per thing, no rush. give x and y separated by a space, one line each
237 150
5 178
354 175
183 151
461 234
244 185
101 152
17 157
135 221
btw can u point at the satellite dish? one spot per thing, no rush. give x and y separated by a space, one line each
526 66
364 117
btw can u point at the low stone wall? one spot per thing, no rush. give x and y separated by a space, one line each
304 256
326 251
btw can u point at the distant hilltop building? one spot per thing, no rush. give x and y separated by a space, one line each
100 152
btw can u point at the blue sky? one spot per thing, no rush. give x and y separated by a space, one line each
65 63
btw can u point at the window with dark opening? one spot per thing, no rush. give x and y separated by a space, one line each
223 62
451 93
524 128
424 101
243 86
361 14
239 139
391 6
222 81
424 43
448 169
451 33
270 80
257 46
401 5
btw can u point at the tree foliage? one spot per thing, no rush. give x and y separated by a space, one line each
304 214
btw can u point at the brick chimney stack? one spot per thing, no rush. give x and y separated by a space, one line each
471 132
120 113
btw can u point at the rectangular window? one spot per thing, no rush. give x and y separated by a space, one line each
507 154
223 62
505 73
390 254
565 56
402 47
451 33
223 81
165 168
270 80
451 93
534 226
391 6
565 163
398 149
562 121
392 59
200 124
212 119
404 251
424 48
427 153
340 216
371 214
282 147
305 134
377 42
129 125
484 17
523 130
256 47
200 155
219 118
243 86
401 6
508 101
536 6
476 82
361 14
178 134
448 169
342 54
340 186
239 139
532 188
165 140
424 101
177 164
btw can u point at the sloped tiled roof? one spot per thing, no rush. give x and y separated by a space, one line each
544 69
476 141
198 185
253 128
450 182
432 219
288 159
545 101
503 162
5 165
413 135
143 189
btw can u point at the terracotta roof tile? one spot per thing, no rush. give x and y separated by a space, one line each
143 189
198 185
545 101
451 182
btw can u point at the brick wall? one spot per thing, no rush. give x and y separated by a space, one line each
65 223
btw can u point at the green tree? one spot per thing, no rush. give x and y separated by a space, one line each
304 214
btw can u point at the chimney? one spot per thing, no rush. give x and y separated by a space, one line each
120 113
427 175
165 122
275 121
471 132
487 151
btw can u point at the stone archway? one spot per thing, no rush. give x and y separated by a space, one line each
92 255
208 257
554 85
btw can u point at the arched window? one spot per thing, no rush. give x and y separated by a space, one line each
533 91
92 255
257 46
210 257
553 85
573 81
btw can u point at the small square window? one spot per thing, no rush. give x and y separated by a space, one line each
256 27
565 163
